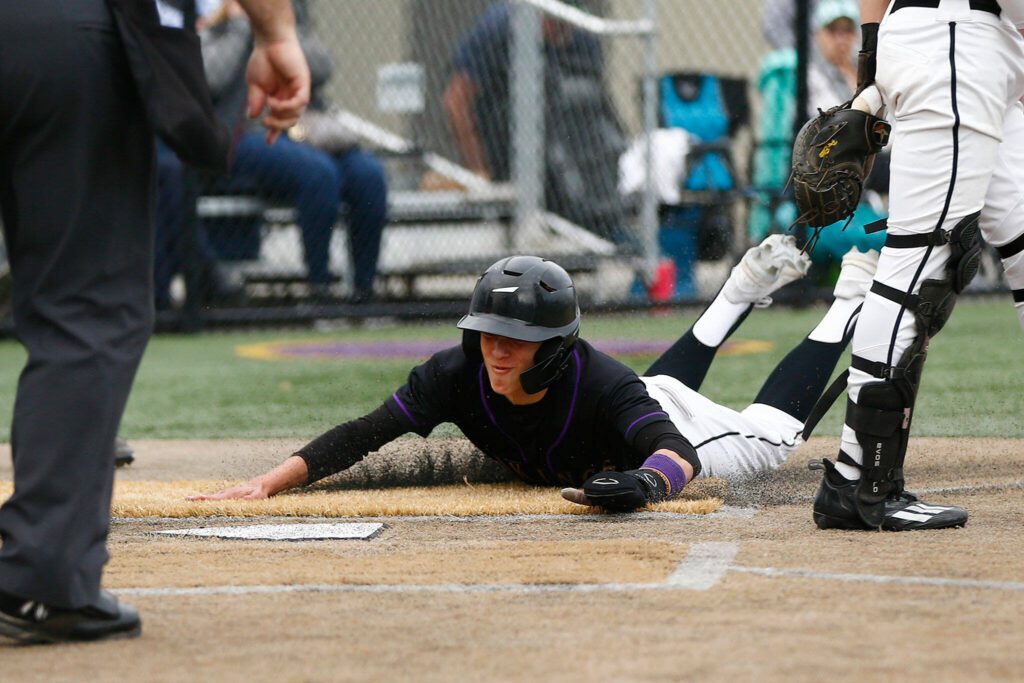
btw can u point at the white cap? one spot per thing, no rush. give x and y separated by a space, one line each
831 10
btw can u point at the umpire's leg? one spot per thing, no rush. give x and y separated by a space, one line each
75 173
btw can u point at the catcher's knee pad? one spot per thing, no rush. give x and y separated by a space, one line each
934 303
881 420
965 258
938 296
934 306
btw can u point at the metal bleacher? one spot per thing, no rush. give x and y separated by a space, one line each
431 234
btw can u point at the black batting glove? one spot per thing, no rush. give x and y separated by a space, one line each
866 58
625 491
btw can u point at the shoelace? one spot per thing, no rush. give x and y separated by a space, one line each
36 611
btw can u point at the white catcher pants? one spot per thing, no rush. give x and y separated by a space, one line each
951 79
729 443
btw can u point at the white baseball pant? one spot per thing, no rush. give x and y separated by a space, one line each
951 78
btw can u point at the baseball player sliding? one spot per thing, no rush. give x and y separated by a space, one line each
527 391
951 74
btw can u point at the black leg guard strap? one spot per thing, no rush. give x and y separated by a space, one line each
845 458
1011 248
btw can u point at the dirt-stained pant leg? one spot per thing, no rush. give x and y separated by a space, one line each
729 443
75 182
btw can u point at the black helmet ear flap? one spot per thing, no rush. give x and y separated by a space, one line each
552 359
471 344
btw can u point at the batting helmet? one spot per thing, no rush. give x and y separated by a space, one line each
529 299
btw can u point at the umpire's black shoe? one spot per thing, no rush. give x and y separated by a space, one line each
123 453
31 622
834 507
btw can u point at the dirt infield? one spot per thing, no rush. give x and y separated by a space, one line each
752 591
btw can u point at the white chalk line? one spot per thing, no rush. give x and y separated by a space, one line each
882 579
703 568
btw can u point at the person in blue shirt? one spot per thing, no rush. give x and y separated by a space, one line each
583 137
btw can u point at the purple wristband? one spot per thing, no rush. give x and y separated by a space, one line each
674 474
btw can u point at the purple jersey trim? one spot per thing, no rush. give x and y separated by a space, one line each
568 418
404 410
644 417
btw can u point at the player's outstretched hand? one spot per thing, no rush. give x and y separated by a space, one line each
576 496
289 474
250 490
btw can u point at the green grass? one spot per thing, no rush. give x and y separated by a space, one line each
200 387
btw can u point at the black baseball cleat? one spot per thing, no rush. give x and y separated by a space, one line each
834 507
30 622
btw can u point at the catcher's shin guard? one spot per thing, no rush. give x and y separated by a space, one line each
881 420
883 412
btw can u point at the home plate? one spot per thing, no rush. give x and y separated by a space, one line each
283 532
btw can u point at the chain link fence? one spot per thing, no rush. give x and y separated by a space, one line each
448 133
618 138
479 161
526 126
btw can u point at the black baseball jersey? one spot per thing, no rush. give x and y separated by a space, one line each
596 416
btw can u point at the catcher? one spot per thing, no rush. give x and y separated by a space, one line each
951 75
527 391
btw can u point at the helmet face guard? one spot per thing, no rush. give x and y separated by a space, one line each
529 299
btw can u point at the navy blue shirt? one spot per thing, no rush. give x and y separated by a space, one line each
483 54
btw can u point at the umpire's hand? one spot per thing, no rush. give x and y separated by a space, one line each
278 79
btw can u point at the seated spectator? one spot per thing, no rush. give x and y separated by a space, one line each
169 247
215 287
831 80
583 136
832 76
313 180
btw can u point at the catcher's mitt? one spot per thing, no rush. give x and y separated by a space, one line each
832 156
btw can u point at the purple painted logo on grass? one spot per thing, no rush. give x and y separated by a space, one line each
424 349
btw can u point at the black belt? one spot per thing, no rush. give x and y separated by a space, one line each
980 5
